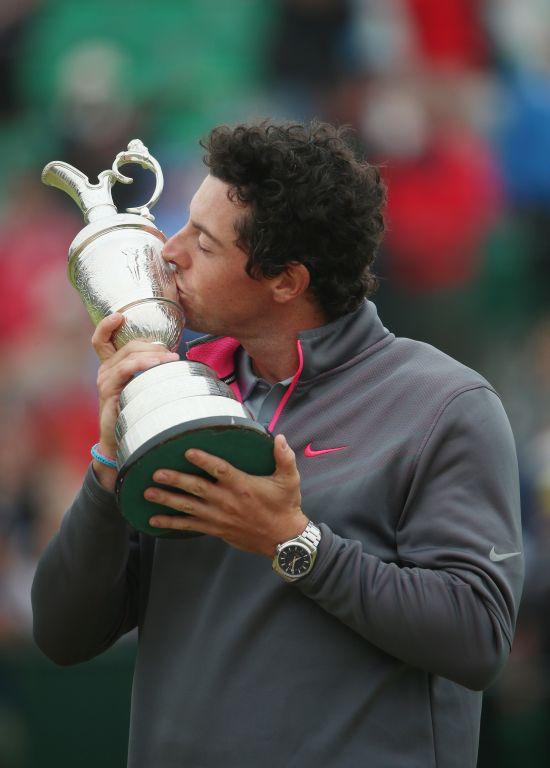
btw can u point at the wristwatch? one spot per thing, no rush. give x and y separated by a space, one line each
295 558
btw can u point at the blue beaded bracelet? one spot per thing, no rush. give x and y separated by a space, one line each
100 457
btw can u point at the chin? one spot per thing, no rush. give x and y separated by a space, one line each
193 326
199 326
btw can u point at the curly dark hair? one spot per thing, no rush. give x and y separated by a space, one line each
311 200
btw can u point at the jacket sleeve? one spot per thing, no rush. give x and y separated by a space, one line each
84 594
448 604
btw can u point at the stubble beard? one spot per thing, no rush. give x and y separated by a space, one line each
199 324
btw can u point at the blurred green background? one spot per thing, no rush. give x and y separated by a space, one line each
452 99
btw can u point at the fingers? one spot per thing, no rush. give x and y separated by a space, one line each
285 459
106 350
187 523
180 502
137 350
226 474
124 366
114 374
101 340
117 369
134 357
198 487
222 471
195 514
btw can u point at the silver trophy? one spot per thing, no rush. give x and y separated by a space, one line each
116 265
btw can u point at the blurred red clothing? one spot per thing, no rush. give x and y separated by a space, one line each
29 250
66 426
440 209
450 32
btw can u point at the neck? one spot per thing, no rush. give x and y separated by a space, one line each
274 352
274 359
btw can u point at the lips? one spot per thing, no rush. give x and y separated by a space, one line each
183 301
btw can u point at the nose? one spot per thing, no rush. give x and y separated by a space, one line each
175 250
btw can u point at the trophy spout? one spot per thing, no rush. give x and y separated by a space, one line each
94 200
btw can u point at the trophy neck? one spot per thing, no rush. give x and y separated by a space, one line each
100 211
104 224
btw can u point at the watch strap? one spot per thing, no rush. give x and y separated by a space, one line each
311 535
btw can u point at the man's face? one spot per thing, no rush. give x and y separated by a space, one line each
216 294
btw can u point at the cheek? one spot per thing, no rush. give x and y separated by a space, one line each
206 277
223 281
212 291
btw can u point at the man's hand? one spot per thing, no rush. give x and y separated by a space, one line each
250 513
116 370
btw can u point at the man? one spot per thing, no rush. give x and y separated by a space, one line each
393 600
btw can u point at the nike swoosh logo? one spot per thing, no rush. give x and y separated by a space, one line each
496 558
310 452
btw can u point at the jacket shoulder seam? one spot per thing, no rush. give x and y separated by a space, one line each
442 408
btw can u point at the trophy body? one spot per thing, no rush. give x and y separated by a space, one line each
116 265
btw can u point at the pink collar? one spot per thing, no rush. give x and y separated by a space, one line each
219 354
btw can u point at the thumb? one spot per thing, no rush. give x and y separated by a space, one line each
101 340
285 458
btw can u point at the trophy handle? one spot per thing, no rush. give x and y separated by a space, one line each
138 153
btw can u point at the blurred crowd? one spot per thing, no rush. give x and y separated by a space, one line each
451 98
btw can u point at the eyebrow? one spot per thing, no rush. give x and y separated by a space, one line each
207 232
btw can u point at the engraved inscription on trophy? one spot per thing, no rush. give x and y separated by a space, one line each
132 260
145 267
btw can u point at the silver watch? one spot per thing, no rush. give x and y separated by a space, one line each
295 558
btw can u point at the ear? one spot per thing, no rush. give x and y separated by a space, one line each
291 283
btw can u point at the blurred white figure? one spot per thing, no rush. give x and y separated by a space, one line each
522 30
383 35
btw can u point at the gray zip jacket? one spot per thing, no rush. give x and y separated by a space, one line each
378 656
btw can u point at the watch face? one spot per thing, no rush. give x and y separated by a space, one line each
294 560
